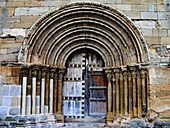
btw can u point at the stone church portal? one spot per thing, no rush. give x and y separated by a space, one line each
83 61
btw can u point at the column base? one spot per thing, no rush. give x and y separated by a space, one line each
109 118
59 118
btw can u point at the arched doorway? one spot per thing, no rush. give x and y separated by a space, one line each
61 36
85 86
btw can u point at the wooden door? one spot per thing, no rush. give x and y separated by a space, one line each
97 95
84 89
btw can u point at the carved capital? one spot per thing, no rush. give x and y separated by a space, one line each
61 73
108 72
52 72
143 72
35 70
125 74
43 72
134 73
25 71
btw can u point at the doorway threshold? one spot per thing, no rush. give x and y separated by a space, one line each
84 120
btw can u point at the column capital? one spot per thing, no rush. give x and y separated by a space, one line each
34 70
61 72
52 72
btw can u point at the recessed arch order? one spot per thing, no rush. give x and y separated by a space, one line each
59 33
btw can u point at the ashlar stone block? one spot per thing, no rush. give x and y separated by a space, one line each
3 111
4 90
146 24
6 101
14 111
38 10
14 32
15 90
165 40
21 11
153 15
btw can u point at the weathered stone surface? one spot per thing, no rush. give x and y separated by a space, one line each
10 45
165 40
15 4
14 111
2 4
3 111
0 80
4 90
38 10
15 90
146 24
6 101
15 101
133 15
152 15
137 123
3 51
162 33
147 32
21 11
124 7
13 32
12 58
164 24
7 11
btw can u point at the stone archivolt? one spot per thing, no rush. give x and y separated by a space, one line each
82 25
102 29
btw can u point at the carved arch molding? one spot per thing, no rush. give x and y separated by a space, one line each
58 34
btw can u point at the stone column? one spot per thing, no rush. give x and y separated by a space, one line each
43 77
52 71
55 93
114 94
34 84
130 89
134 90
108 72
47 91
24 86
60 83
139 94
121 94
125 92
117 74
143 77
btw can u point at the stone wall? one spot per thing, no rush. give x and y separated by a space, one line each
151 16
10 91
